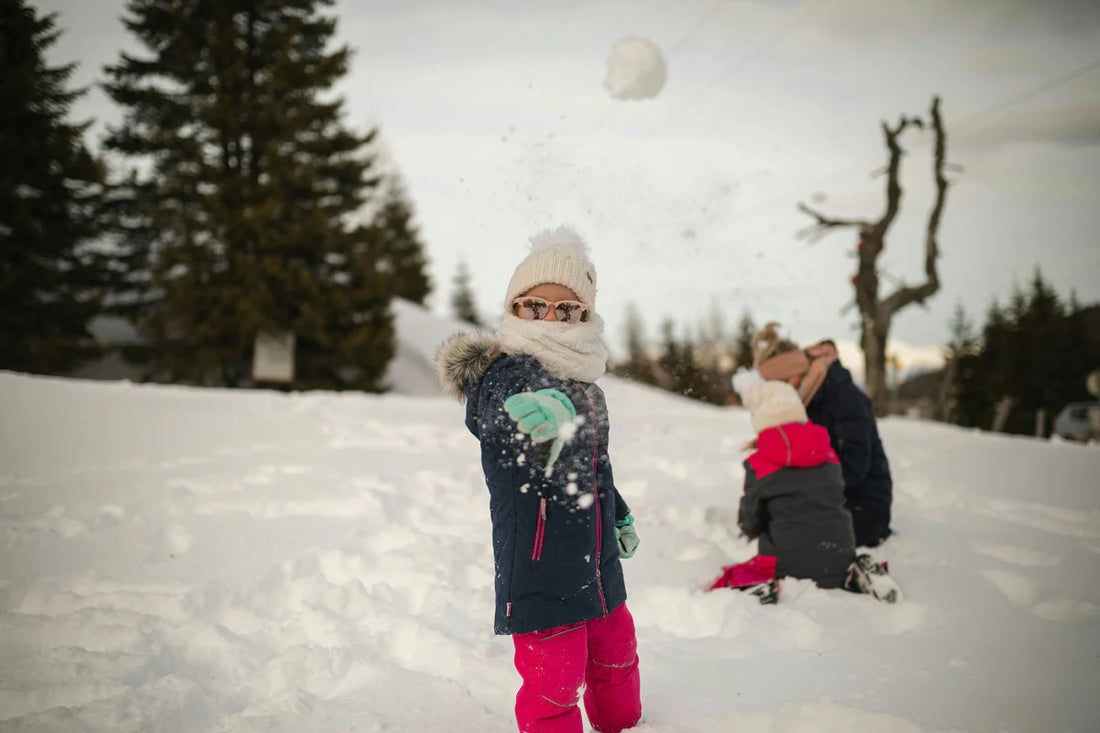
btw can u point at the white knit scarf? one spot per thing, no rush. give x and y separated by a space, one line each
568 351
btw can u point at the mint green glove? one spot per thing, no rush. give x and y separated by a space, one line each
626 536
541 415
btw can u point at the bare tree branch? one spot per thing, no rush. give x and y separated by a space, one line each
906 295
893 188
823 224
877 229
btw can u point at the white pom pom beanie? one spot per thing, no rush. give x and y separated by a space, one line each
560 257
773 404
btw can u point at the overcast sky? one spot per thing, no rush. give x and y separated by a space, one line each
496 116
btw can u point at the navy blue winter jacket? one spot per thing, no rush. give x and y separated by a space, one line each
557 561
845 411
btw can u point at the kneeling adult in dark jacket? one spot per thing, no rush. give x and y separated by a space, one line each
842 408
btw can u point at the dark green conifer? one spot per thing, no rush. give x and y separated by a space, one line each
463 303
238 217
51 277
1033 355
399 242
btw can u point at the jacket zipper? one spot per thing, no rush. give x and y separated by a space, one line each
596 496
540 531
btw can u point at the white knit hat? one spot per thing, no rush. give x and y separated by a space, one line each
560 257
773 404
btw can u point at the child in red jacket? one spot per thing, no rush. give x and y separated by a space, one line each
794 490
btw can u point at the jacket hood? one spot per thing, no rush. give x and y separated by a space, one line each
795 444
464 358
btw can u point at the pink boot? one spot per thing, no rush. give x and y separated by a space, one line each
758 569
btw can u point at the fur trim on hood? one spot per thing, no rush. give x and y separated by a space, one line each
464 357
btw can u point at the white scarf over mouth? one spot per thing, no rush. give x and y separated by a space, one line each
567 350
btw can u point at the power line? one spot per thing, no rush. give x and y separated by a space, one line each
755 52
1028 94
966 120
695 27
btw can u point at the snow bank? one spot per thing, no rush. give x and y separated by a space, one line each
208 560
419 334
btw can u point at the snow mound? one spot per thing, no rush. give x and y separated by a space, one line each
200 560
418 335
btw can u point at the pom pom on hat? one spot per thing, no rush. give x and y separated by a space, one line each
745 379
558 256
773 404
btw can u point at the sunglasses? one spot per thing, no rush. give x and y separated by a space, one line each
536 309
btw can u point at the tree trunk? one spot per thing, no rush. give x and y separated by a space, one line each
946 396
874 370
1001 415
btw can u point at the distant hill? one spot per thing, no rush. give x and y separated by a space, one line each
419 334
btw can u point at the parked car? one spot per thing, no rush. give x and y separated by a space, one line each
1073 421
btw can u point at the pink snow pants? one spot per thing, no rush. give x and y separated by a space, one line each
599 656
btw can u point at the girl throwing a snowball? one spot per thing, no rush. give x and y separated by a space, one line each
560 526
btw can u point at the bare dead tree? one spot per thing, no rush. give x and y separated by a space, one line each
876 313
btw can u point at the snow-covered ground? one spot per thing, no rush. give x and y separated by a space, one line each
177 559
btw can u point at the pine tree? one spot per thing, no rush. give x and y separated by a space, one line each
1036 353
963 340
639 364
956 380
1043 327
713 357
463 303
400 246
677 362
743 340
51 277
239 221
669 360
1000 354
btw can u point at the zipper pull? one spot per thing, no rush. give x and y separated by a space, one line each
542 507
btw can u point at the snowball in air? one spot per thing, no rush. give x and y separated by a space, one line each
635 69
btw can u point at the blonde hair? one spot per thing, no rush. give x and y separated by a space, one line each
767 343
